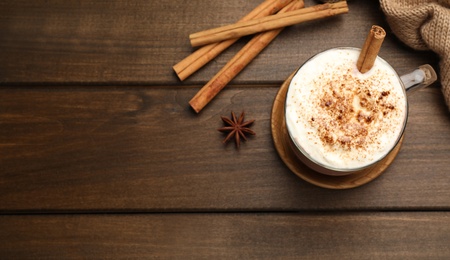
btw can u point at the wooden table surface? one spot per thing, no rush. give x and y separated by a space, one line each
102 157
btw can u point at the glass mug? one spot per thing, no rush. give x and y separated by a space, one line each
340 121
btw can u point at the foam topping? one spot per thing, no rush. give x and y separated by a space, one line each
341 118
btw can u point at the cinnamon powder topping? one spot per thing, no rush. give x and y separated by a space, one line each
349 108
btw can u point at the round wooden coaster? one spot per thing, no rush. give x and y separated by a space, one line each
280 135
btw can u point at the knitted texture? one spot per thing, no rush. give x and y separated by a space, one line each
423 25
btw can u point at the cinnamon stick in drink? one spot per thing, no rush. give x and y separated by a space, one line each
200 57
370 49
276 21
238 63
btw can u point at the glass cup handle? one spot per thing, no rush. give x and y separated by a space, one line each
421 77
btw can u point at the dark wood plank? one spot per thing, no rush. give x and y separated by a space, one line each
118 42
228 236
143 149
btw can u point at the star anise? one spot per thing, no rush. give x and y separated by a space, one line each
237 128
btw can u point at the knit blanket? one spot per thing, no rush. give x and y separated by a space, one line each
423 25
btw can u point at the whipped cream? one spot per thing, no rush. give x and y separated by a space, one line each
343 119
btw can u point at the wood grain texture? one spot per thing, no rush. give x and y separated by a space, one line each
138 42
94 120
121 149
228 236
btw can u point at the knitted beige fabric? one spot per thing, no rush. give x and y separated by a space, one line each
423 25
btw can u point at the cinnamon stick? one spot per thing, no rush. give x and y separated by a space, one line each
202 56
276 21
370 49
238 63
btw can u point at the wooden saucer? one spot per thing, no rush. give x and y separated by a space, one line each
280 135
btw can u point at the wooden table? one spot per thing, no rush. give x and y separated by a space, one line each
102 157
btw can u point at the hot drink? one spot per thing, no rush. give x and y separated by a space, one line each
340 120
